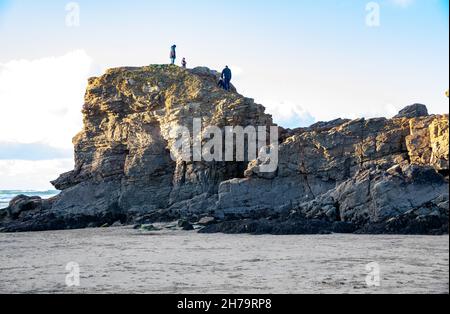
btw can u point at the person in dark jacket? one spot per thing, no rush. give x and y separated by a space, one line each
184 63
173 54
226 77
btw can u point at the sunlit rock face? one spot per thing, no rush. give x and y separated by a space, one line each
123 160
362 172
379 175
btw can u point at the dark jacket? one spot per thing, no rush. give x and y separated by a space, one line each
173 53
226 74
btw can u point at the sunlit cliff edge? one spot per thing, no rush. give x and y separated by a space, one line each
365 176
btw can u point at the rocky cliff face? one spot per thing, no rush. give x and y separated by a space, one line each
372 176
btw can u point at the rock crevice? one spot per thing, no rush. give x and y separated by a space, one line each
373 176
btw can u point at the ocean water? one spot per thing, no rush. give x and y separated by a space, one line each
122 260
7 195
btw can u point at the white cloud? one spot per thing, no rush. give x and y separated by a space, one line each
288 114
31 175
392 110
237 71
40 105
41 99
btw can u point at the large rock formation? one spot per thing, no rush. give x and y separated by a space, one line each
372 176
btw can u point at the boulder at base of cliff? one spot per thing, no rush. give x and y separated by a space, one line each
22 203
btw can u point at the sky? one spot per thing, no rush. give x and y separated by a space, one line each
304 60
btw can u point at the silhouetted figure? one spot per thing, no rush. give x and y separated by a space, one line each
184 63
226 77
173 54
221 83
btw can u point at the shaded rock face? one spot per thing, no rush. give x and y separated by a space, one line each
362 171
123 164
23 205
413 111
373 176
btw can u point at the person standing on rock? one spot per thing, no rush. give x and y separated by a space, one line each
226 77
173 54
184 63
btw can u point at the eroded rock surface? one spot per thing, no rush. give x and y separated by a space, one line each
374 176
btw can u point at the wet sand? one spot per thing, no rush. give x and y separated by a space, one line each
122 260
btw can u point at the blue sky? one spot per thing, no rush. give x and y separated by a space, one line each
304 60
